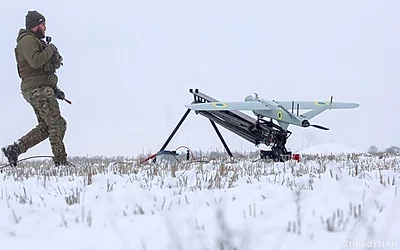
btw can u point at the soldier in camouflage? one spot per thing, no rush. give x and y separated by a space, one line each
37 62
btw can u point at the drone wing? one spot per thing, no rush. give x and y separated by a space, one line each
316 104
248 105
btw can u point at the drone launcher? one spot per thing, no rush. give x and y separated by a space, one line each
256 131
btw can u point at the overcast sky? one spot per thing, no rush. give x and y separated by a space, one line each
128 66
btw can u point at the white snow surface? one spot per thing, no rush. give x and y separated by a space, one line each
243 205
330 148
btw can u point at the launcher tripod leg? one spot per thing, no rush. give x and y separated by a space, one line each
175 129
221 138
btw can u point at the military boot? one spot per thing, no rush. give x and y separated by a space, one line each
12 152
60 163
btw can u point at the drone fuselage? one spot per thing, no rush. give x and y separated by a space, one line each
276 112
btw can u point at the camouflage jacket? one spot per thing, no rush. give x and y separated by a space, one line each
36 61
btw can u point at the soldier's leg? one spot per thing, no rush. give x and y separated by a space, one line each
47 108
29 140
36 135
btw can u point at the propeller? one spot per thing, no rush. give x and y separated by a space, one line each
306 124
319 126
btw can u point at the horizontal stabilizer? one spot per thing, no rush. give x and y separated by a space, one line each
343 105
312 105
247 105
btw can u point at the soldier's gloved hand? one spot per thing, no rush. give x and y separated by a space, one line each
53 47
59 94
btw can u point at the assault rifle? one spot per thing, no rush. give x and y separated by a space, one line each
48 40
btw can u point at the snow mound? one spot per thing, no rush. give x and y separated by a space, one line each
330 148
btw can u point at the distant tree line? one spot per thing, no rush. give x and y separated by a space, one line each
390 150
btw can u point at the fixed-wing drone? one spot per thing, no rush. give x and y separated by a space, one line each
277 110
258 131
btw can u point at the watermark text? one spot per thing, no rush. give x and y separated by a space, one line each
372 244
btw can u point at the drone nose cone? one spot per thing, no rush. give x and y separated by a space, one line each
305 123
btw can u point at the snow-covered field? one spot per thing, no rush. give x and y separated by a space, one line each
331 202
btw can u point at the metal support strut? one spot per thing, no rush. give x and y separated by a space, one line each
180 123
221 138
175 129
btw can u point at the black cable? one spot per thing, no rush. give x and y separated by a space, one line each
31 157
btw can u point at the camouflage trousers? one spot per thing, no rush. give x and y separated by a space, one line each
50 122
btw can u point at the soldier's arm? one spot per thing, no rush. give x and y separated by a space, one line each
29 49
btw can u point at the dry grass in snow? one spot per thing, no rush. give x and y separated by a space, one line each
330 202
